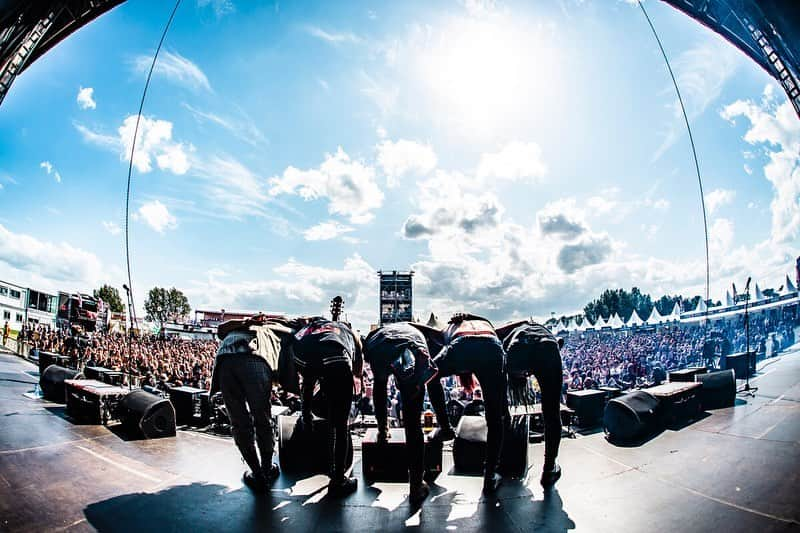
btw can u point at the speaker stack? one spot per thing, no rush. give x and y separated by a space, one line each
469 446
588 406
305 450
388 461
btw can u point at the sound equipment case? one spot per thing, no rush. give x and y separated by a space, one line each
388 461
588 405
91 401
686 374
678 402
187 402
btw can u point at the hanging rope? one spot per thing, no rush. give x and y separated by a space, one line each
133 148
694 153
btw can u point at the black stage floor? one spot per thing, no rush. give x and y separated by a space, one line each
734 470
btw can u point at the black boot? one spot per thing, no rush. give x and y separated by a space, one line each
550 474
255 482
491 481
419 491
342 486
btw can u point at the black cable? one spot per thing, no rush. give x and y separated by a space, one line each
130 172
694 154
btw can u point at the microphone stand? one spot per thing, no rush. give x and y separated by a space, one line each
132 318
747 389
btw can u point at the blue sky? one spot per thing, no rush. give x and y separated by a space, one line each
519 157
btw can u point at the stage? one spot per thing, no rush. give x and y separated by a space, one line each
734 470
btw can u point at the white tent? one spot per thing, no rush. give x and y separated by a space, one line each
676 313
635 320
615 321
701 306
728 299
572 325
759 294
601 322
583 325
655 317
789 286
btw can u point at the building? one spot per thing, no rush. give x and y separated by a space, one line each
41 308
12 305
212 319
395 293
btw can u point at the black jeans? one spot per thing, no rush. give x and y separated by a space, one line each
336 381
246 383
543 360
484 357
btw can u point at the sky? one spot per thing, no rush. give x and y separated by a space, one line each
520 157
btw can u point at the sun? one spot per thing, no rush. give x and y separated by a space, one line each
484 72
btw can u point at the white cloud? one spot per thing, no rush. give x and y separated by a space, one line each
51 170
154 143
600 205
397 159
326 230
562 219
661 203
220 7
157 216
516 161
112 227
702 72
777 129
297 288
720 237
30 258
349 186
333 36
718 198
175 68
86 98
383 95
242 128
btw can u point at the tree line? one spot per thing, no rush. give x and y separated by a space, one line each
162 305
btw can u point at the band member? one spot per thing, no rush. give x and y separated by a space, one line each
327 351
471 346
400 350
532 350
246 364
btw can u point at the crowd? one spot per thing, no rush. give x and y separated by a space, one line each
620 358
155 361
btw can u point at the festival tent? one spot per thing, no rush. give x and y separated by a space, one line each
759 294
655 317
634 320
676 313
571 325
615 321
433 321
701 306
789 286
584 324
601 322
559 326
728 299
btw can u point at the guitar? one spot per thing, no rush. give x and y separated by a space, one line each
337 305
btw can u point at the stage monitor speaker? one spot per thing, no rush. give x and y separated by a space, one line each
742 364
147 415
469 446
588 406
388 461
52 382
301 451
631 416
719 389
686 374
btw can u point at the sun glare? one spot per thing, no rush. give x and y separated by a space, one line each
484 71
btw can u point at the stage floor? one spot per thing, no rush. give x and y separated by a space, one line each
735 470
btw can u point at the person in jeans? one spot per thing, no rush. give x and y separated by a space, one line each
244 369
532 350
400 350
328 352
471 346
